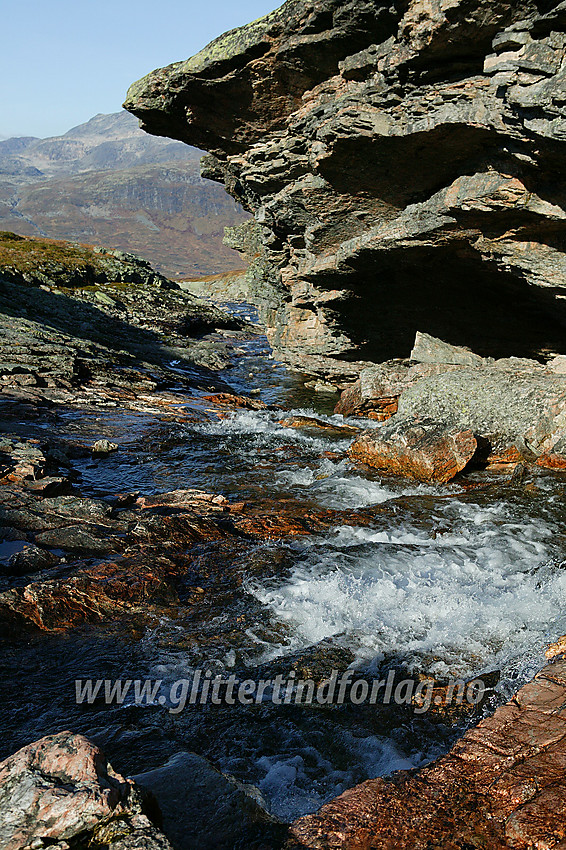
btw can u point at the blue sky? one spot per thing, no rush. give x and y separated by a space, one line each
63 61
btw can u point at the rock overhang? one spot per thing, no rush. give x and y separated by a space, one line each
375 143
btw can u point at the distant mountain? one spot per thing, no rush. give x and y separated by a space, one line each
108 183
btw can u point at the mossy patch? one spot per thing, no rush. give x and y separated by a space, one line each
48 257
67 265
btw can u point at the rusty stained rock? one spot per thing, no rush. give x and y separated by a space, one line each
147 545
501 786
421 449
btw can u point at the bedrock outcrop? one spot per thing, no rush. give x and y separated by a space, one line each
402 162
501 786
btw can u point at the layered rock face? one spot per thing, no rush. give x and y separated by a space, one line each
402 161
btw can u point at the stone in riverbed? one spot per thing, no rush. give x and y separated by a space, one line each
104 447
202 808
186 500
29 560
62 789
421 449
235 401
429 349
318 424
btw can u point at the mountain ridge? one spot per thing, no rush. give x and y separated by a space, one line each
107 182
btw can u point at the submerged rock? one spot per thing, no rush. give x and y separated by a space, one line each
204 809
421 449
62 789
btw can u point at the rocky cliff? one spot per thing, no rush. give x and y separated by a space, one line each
402 162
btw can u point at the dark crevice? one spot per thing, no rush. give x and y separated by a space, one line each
402 170
451 294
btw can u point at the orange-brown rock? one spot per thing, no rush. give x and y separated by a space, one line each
186 500
235 401
501 786
557 648
312 422
552 461
420 449
148 545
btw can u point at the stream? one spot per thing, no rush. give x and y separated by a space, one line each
448 581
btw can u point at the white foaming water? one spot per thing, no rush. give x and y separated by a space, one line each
484 590
332 483
288 781
474 597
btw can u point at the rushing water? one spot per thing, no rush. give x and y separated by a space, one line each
451 582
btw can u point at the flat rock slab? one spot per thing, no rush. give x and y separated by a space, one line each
429 349
420 449
501 786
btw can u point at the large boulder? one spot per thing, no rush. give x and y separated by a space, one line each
422 449
376 392
429 349
505 406
61 792
403 164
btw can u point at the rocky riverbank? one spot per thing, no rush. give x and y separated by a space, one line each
155 517
447 409
177 508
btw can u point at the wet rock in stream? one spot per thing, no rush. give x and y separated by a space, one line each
500 786
416 448
60 792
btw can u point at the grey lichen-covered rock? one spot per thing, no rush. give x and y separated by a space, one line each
103 447
506 407
403 164
428 349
